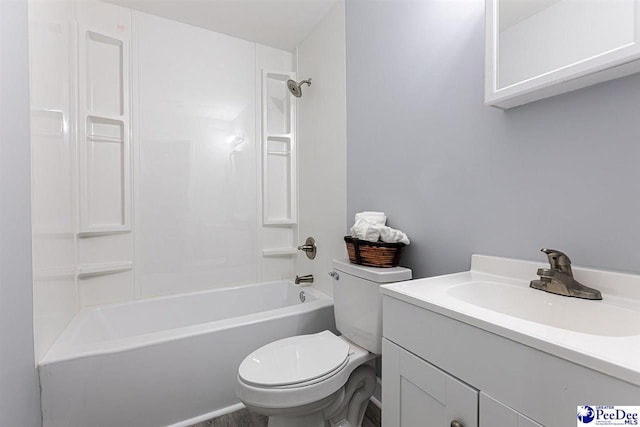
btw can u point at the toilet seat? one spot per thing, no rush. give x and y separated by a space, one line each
311 392
295 361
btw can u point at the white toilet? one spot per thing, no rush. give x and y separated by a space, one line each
322 379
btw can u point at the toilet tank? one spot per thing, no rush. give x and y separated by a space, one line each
357 302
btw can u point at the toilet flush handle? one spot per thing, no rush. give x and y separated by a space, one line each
456 423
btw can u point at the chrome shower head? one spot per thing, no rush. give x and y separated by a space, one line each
296 88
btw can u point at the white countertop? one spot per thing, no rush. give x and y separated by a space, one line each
495 296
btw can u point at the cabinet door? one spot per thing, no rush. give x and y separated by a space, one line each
496 414
417 394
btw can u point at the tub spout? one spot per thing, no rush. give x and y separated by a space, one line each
304 279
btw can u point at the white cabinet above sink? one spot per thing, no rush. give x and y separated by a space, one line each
532 356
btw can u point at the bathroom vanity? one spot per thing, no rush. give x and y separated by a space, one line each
481 348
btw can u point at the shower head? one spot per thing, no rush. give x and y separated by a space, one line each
296 88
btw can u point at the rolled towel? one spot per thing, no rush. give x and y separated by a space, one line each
364 230
391 235
378 218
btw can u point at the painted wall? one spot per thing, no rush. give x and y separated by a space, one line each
461 178
19 390
322 146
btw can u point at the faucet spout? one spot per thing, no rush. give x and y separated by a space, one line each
559 278
558 260
308 279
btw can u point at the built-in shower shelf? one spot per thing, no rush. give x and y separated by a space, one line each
280 222
86 271
279 252
103 232
100 138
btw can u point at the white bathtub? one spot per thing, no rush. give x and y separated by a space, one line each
172 360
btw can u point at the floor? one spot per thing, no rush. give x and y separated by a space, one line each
241 418
372 417
244 418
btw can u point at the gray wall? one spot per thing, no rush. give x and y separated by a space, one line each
461 178
19 391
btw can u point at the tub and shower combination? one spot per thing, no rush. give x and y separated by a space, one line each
169 361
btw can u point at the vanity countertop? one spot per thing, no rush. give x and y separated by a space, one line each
495 296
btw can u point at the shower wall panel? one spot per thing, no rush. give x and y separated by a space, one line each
80 155
197 203
52 173
322 153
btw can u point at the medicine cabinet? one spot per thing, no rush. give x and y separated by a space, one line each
540 48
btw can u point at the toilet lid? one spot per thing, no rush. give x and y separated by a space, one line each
294 360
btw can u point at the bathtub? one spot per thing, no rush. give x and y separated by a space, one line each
169 361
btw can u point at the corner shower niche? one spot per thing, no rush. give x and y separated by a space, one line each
279 194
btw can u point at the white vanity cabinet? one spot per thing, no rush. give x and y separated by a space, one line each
416 393
494 413
436 369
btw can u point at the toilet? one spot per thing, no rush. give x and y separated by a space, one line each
323 379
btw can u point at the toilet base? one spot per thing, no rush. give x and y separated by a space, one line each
345 408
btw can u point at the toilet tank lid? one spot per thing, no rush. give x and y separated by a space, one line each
375 274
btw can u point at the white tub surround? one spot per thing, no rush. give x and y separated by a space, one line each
147 160
170 360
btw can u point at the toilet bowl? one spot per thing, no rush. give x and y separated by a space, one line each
300 379
323 379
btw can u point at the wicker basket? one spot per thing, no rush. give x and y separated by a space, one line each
373 254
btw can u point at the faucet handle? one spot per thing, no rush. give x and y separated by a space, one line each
558 260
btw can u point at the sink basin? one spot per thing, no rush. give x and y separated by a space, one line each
583 316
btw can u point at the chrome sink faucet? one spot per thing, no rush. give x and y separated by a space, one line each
559 278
